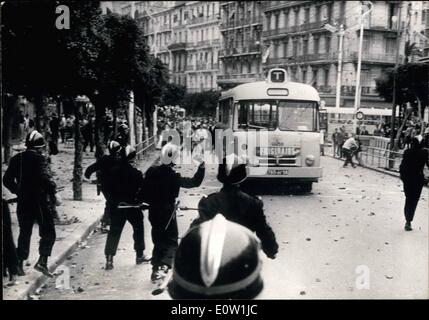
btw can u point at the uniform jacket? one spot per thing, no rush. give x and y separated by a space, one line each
102 166
28 176
412 165
243 209
161 188
123 183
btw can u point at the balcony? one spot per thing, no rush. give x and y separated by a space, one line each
165 27
306 27
177 46
240 78
238 23
198 20
205 43
327 57
326 89
378 58
274 5
365 90
190 68
253 49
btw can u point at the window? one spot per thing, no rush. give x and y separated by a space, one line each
392 16
316 45
326 80
307 15
297 115
304 76
390 45
327 44
224 111
318 13
366 45
258 115
305 46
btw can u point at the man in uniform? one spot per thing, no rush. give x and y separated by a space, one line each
218 259
162 186
29 178
123 183
238 206
101 167
123 135
411 172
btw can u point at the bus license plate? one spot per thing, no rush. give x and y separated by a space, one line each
278 172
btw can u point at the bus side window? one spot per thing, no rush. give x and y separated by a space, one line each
242 116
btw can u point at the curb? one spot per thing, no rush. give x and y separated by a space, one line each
63 256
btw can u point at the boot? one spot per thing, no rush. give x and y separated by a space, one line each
141 257
12 280
109 262
42 266
21 268
159 273
408 226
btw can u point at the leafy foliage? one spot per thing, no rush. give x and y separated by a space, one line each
411 82
201 103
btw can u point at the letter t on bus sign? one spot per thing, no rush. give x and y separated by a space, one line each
277 75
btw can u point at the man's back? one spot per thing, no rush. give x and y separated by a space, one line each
162 185
28 175
413 163
124 183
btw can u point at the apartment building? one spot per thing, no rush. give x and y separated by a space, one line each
297 39
203 45
240 57
425 40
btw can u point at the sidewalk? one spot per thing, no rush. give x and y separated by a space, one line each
87 213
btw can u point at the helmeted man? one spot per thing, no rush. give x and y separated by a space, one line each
123 184
123 135
162 186
411 173
217 259
101 167
29 177
238 206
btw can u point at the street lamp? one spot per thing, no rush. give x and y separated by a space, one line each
358 86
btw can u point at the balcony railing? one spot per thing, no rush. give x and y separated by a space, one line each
177 46
272 5
247 77
311 26
208 19
313 57
389 58
241 22
205 43
240 50
365 90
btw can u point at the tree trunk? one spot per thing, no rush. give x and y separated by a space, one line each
99 134
77 168
41 117
398 134
419 107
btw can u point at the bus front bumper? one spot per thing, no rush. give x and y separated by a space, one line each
295 173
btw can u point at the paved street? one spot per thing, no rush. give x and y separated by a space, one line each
351 223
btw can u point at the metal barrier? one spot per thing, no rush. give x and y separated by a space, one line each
380 158
145 145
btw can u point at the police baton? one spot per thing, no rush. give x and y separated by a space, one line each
124 205
176 206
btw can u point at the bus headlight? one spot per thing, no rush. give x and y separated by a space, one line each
309 160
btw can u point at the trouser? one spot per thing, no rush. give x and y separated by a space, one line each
28 213
413 190
90 142
10 256
105 220
349 157
165 241
118 218
336 153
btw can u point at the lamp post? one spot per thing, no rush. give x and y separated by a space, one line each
358 72
392 122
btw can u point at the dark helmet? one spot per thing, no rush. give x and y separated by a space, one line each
128 153
416 142
236 175
123 128
217 259
34 140
114 147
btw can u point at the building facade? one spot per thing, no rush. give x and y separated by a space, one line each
203 45
240 57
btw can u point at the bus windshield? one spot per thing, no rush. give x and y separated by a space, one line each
297 115
282 114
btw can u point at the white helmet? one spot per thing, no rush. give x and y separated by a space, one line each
169 154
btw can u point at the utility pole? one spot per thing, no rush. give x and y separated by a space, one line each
340 62
392 122
358 72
